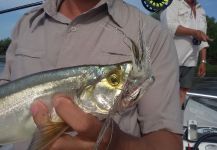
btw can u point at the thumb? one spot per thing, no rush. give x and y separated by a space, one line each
69 111
40 113
80 121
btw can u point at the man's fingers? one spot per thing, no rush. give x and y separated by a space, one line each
202 36
74 116
40 113
201 72
69 112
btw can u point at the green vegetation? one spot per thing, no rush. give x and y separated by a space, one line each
4 45
211 70
212 32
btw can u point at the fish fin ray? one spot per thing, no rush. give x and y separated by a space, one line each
46 135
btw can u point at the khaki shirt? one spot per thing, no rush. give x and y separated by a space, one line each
45 39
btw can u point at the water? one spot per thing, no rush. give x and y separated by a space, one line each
207 85
1 66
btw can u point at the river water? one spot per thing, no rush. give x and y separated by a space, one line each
1 66
207 85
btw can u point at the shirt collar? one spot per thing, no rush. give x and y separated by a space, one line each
197 4
115 10
50 7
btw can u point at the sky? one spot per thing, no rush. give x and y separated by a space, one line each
8 20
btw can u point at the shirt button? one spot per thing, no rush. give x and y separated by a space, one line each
73 29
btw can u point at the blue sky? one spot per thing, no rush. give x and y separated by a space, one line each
8 20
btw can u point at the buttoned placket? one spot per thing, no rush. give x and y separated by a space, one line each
72 28
68 40
71 35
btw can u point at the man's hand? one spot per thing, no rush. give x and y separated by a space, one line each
201 36
87 126
202 70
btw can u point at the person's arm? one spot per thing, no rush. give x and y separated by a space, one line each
157 140
202 65
88 128
6 73
183 31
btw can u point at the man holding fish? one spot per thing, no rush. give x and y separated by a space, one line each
101 36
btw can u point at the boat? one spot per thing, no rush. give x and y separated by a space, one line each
200 122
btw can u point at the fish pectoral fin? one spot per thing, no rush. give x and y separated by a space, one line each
46 135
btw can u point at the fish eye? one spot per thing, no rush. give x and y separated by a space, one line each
114 79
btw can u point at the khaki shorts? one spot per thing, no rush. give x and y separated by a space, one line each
186 75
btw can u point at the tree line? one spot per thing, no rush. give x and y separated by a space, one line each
4 43
211 31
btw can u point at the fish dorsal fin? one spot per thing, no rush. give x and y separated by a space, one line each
45 136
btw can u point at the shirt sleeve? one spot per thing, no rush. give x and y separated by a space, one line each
5 75
169 18
203 27
204 45
159 107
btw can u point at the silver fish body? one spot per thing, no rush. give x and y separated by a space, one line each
94 89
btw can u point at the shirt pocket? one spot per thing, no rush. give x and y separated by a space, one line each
183 17
27 61
110 49
29 53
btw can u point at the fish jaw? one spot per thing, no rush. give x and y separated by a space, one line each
133 93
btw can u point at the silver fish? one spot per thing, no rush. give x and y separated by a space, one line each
96 89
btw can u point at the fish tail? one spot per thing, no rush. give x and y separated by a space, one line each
45 136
